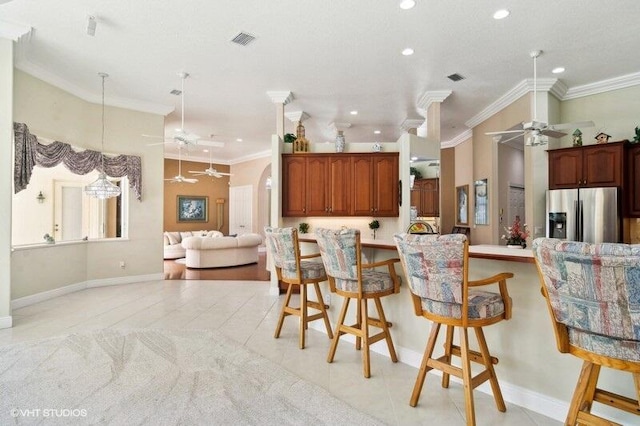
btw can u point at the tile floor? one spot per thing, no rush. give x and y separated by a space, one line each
245 312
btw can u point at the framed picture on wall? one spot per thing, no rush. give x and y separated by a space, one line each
193 208
462 205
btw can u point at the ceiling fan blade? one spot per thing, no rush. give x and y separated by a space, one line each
152 136
188 180
504 132
567 126
552 133
200 172
512 138
206 142
224 174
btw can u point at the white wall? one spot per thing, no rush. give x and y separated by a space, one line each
52 113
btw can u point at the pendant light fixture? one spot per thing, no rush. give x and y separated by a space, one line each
102 188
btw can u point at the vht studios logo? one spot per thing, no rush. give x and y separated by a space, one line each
48 412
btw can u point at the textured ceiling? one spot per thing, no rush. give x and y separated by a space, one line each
333 55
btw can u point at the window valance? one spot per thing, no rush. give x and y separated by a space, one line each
29 152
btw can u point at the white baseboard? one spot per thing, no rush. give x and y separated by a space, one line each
6 322
61 291
523 397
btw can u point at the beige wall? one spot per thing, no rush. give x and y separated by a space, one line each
464 164
6 187
212 187
447 189
485 159
511 172
55 114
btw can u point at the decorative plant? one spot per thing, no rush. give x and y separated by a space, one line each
373 225
289 138
303 227
415 172
49 239
517 234
636 138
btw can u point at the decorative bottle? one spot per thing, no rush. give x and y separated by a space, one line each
340 141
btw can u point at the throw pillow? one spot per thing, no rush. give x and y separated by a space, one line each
174 237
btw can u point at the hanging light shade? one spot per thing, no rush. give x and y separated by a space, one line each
102 187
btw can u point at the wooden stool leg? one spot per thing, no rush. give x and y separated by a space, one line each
493 380
364 328
582 387
467 377
448 343
325 317
636 381
338 333
358 325
424 369
282 311
303 314
385 328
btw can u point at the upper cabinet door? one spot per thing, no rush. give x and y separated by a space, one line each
316 187
602 165
362 188
565 168
385 180
294 173
339 186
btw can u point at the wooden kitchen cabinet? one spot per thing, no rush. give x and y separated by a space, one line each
425 196
375 184
632 188
340 184
588 166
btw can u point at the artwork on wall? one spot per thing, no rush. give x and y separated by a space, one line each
462 205
193 208
482 202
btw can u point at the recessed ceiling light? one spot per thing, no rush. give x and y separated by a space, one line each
501 14
205 150
414 158
558 70
377 132
407 4
354 112
407 52
239 140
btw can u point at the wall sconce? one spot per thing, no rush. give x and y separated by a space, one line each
40 197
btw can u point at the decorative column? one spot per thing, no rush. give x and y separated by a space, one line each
280 99
429 104
411 125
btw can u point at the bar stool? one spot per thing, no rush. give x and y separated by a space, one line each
295 269
352 279
437 268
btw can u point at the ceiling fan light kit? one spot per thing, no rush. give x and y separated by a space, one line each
537 132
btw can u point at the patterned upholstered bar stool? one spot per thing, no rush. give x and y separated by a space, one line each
593 296
352 279
297 270
437 268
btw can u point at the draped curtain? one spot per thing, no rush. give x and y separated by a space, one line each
29 152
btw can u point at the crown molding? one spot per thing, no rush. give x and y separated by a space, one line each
296 116
255 156
467 134
280 97
521 89
133 104
412 123
335 127
433 96
13 31
615 83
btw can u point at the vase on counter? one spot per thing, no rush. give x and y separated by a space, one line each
340 141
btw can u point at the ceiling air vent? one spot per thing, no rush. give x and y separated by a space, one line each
455 77
176 92
243 39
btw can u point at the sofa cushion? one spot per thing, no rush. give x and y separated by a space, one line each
186 234
174 237
214 234
248 240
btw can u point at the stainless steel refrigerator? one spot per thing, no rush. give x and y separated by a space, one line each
591 215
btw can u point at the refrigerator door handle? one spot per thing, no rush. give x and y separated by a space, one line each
576 220
580 221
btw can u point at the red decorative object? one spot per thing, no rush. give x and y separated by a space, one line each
517 234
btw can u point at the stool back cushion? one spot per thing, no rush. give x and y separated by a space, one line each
592 287
434 265
280 243
338 249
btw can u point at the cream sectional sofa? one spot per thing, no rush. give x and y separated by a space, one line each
204 252
173 242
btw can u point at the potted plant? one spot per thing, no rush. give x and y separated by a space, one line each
516 235
414 174
303 227
373 225
289 138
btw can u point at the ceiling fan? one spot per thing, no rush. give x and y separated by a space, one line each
210 171
537 131
179 178
181 136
